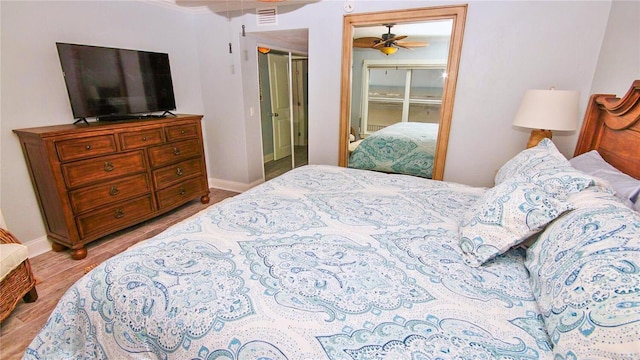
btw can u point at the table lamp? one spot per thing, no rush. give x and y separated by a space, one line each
547 110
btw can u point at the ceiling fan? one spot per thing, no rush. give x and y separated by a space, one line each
388 43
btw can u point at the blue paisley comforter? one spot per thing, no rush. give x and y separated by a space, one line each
320 263
401 148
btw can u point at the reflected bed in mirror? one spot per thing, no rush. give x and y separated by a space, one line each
399 67
403 148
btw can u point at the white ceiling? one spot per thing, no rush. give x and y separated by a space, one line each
290 39
224 6
415 31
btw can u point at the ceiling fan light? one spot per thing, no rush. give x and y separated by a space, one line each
388 50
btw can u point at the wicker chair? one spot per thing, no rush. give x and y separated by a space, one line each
19 283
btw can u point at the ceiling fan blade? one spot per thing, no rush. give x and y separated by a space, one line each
408 44
402 46
366 42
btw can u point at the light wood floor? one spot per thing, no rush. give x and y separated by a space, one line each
56 272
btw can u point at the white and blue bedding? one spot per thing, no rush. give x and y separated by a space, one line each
322 262
402 148
337 263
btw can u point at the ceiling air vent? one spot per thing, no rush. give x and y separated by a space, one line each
267 16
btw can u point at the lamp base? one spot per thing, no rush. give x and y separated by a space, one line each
537 136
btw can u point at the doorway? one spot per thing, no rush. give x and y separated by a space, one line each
283 82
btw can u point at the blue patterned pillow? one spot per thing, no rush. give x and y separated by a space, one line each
543 156
585 275
563 181
504 216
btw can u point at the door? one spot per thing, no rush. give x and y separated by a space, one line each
280 104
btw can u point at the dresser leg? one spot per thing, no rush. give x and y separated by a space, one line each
204 199
79 254
57 247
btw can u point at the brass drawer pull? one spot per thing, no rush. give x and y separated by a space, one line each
88 147
176 151
144 138
182 191
179 171
182 132
108 166
113 191
119 214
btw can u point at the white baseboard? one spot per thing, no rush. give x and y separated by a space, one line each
233 185
38 246
268 157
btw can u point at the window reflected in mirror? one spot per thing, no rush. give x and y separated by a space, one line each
396 92
399 75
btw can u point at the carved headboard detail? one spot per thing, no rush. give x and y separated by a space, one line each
612 126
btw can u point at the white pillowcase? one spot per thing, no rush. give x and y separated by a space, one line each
504 216
626 187
543 156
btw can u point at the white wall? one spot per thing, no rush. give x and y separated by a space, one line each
509 46
33 89
619 60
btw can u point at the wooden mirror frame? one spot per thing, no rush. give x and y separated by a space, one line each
457 13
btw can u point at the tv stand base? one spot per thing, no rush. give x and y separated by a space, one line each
81 120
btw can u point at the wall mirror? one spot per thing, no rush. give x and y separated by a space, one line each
400 68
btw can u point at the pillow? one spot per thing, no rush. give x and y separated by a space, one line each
562 181
543 156
504 216
584 273
626 187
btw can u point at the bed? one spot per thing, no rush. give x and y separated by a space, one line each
401 148
340 263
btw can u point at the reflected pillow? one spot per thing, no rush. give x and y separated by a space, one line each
543 156
504 216
626 187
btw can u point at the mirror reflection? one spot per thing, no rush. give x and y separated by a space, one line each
283 79
403 70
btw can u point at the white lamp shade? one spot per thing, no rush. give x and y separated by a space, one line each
548 110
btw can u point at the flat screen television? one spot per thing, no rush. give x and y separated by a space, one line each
115 84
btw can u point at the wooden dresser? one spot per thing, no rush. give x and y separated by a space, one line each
93 180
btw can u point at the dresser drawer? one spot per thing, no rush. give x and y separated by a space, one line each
138 139
114 217
82 148
91 197
85 172
180 132
181 193
174 152
172 174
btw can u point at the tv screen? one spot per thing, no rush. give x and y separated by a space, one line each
108 83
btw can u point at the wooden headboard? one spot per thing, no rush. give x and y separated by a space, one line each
612 126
